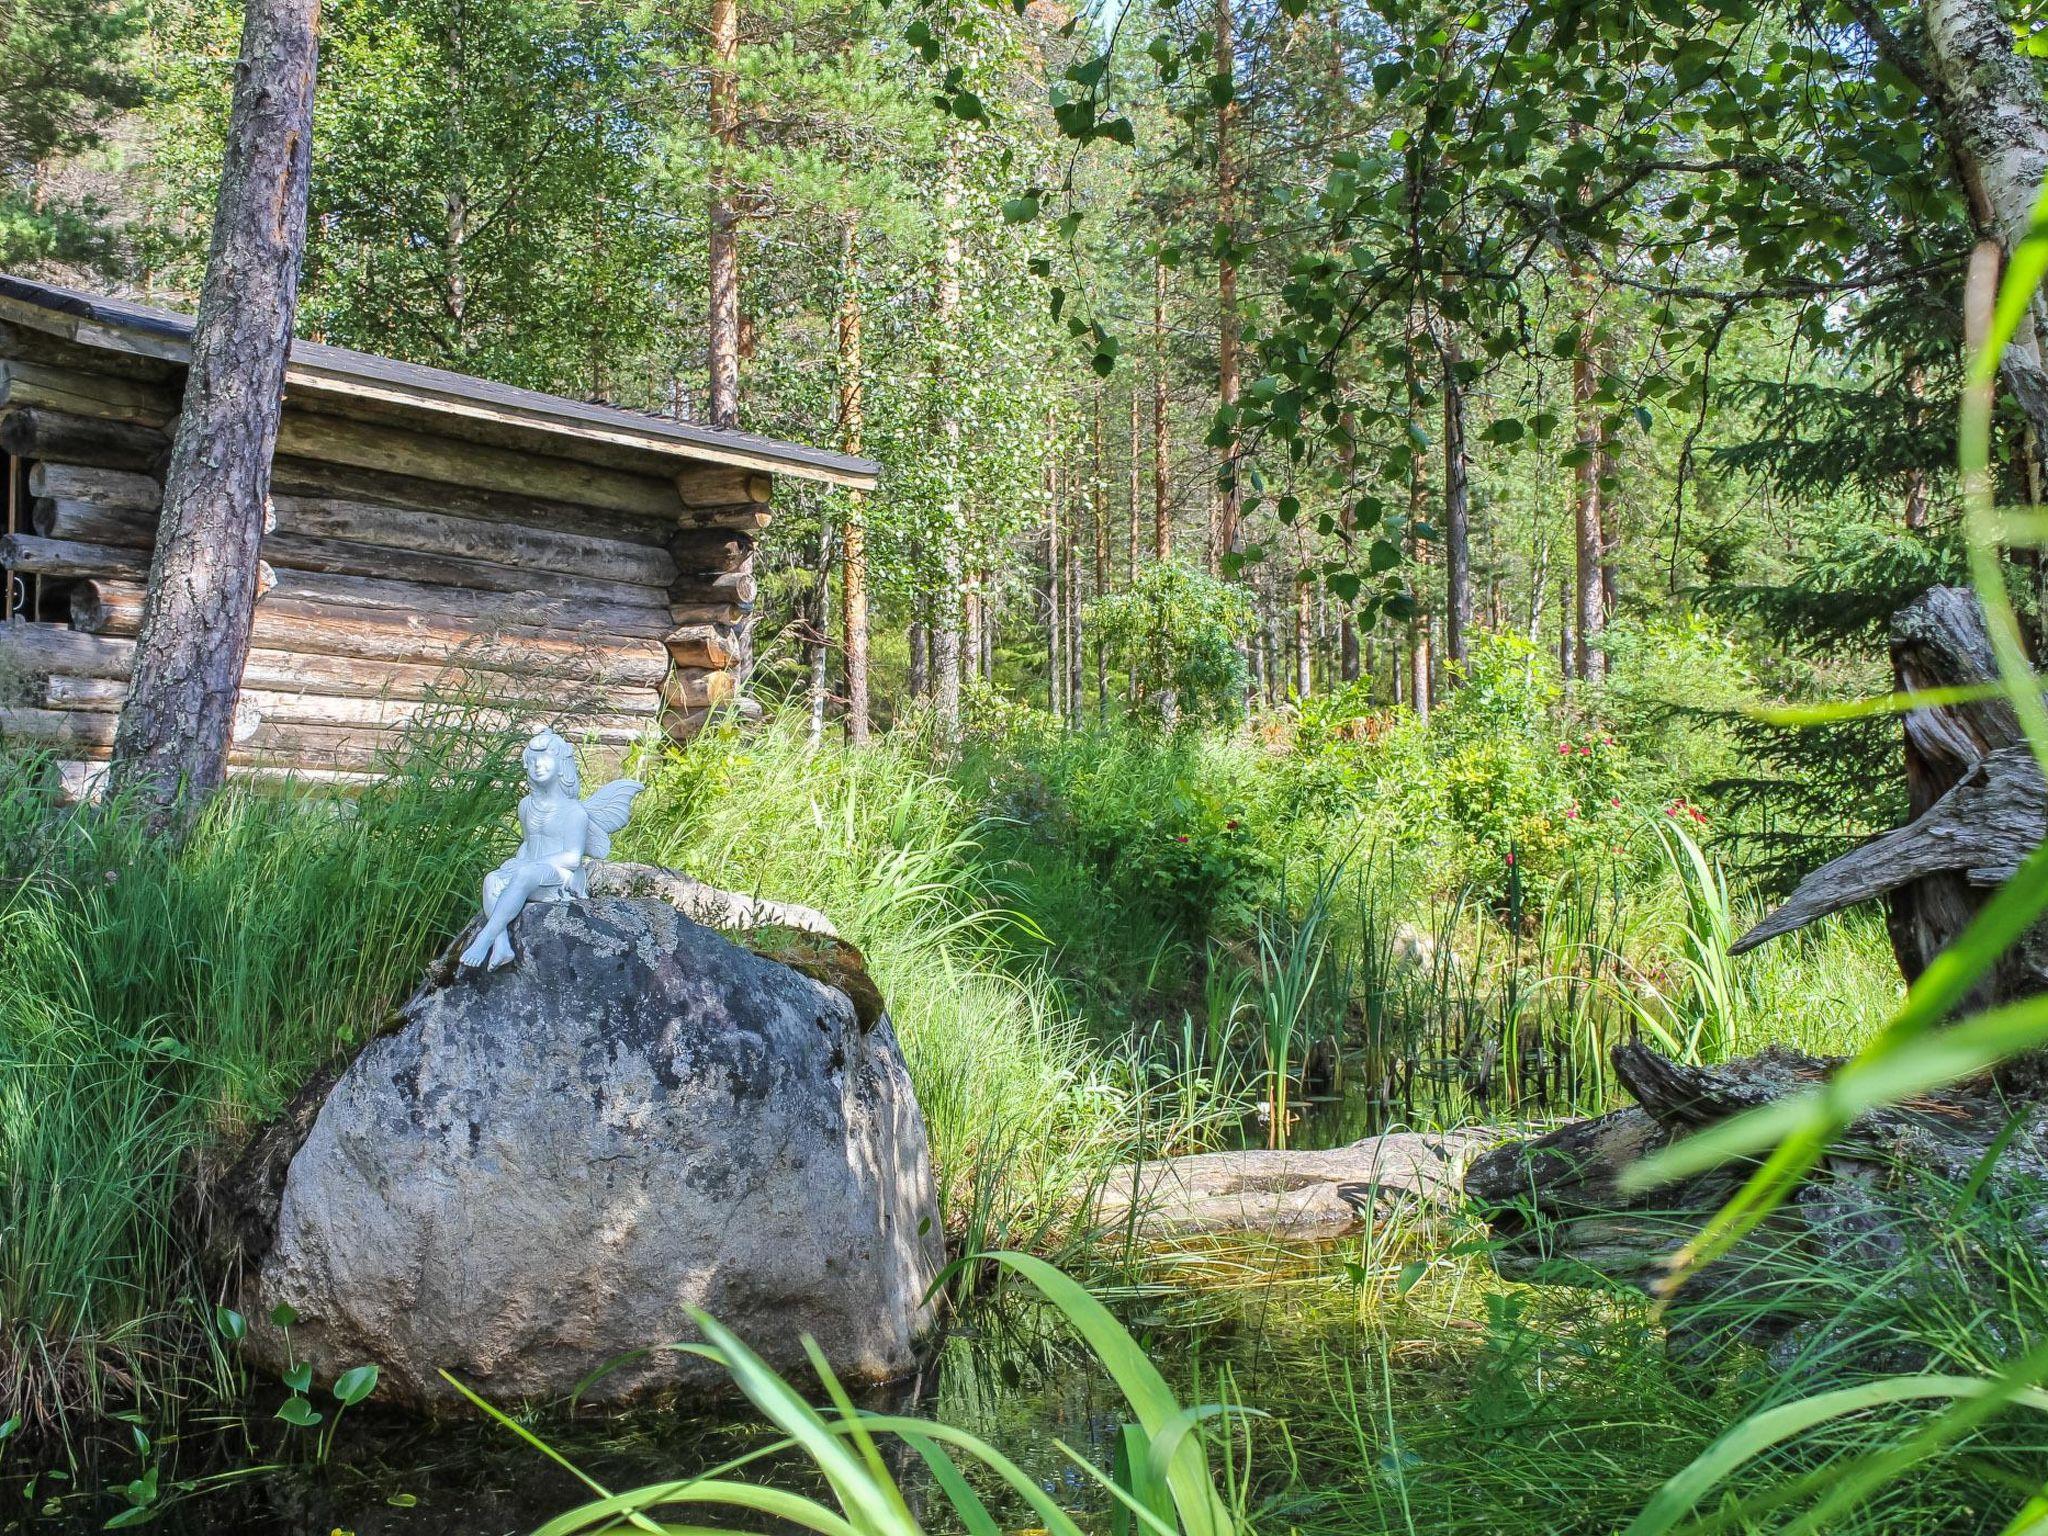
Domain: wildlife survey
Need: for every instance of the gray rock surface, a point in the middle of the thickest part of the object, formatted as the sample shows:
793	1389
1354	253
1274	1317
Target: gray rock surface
549	1165
1293	1196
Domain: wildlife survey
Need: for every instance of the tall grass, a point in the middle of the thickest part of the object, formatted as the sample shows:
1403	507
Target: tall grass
1023	1107
157	998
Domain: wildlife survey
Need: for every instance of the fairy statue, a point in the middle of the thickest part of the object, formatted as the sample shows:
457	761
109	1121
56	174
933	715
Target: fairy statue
559	832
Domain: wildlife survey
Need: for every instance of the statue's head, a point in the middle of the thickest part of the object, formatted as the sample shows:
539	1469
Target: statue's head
551	760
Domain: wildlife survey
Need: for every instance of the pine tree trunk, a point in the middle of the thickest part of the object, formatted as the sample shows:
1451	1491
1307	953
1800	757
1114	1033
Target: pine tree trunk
724	257
947	607
1457	521
1055	600
1072	582
1350	664
919	680
1162	519
1230	502
174	728
1099	497
853	525
1137	479
821	628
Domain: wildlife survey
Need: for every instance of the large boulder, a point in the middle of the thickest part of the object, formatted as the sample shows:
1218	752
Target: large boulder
548	1166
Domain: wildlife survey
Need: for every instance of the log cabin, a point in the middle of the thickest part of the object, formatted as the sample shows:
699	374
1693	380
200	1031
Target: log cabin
429	536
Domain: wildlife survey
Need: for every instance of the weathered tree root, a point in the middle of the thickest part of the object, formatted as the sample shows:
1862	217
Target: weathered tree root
1897	1177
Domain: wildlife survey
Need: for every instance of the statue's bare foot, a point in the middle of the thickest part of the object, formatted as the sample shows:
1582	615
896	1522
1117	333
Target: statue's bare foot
501	952
477	953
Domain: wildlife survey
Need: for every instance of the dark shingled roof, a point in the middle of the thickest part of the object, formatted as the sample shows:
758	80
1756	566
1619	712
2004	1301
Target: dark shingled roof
123	326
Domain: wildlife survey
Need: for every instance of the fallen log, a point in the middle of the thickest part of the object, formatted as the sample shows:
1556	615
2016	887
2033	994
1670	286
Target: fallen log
1287	1196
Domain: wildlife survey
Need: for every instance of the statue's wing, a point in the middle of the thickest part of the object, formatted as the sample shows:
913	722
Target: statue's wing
607	808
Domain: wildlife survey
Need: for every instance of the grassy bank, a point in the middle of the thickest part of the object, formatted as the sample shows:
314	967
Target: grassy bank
1095	945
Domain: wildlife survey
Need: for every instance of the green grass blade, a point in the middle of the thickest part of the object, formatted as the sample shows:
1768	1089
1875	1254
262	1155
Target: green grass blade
1763	1431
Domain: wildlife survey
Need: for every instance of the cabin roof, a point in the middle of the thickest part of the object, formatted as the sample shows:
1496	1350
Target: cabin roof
570	427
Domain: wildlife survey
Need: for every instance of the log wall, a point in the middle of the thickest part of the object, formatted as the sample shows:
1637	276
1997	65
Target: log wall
400	567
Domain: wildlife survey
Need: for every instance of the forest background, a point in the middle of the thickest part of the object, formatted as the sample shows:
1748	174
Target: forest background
1216	353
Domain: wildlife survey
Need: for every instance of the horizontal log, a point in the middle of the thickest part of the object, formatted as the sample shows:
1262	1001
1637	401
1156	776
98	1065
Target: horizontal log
85	394
747	517
28	344
91	523
721	486
336	439
710	551
702	645
568	551
696	688
709	612
54	650
104	487
87	734
37	556
82	781
298	706
115	608
68	438
326	480
736	588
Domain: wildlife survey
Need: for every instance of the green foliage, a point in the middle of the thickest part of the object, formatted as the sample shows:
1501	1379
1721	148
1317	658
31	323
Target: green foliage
1181	632
67	68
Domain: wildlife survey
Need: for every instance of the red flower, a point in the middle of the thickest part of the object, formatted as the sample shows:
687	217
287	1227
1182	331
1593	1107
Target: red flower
1182	838
1511	861
1571	811
1614	800
1230	825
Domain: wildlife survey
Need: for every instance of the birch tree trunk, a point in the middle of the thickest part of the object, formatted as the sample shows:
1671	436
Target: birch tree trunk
853	556
1996	124
1419	659
1304	636
723	252
173	734
1589	612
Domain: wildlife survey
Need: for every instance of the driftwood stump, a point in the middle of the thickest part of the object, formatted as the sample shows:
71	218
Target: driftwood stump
1979	807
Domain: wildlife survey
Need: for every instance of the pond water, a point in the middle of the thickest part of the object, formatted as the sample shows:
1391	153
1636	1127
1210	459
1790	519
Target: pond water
1009	1371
